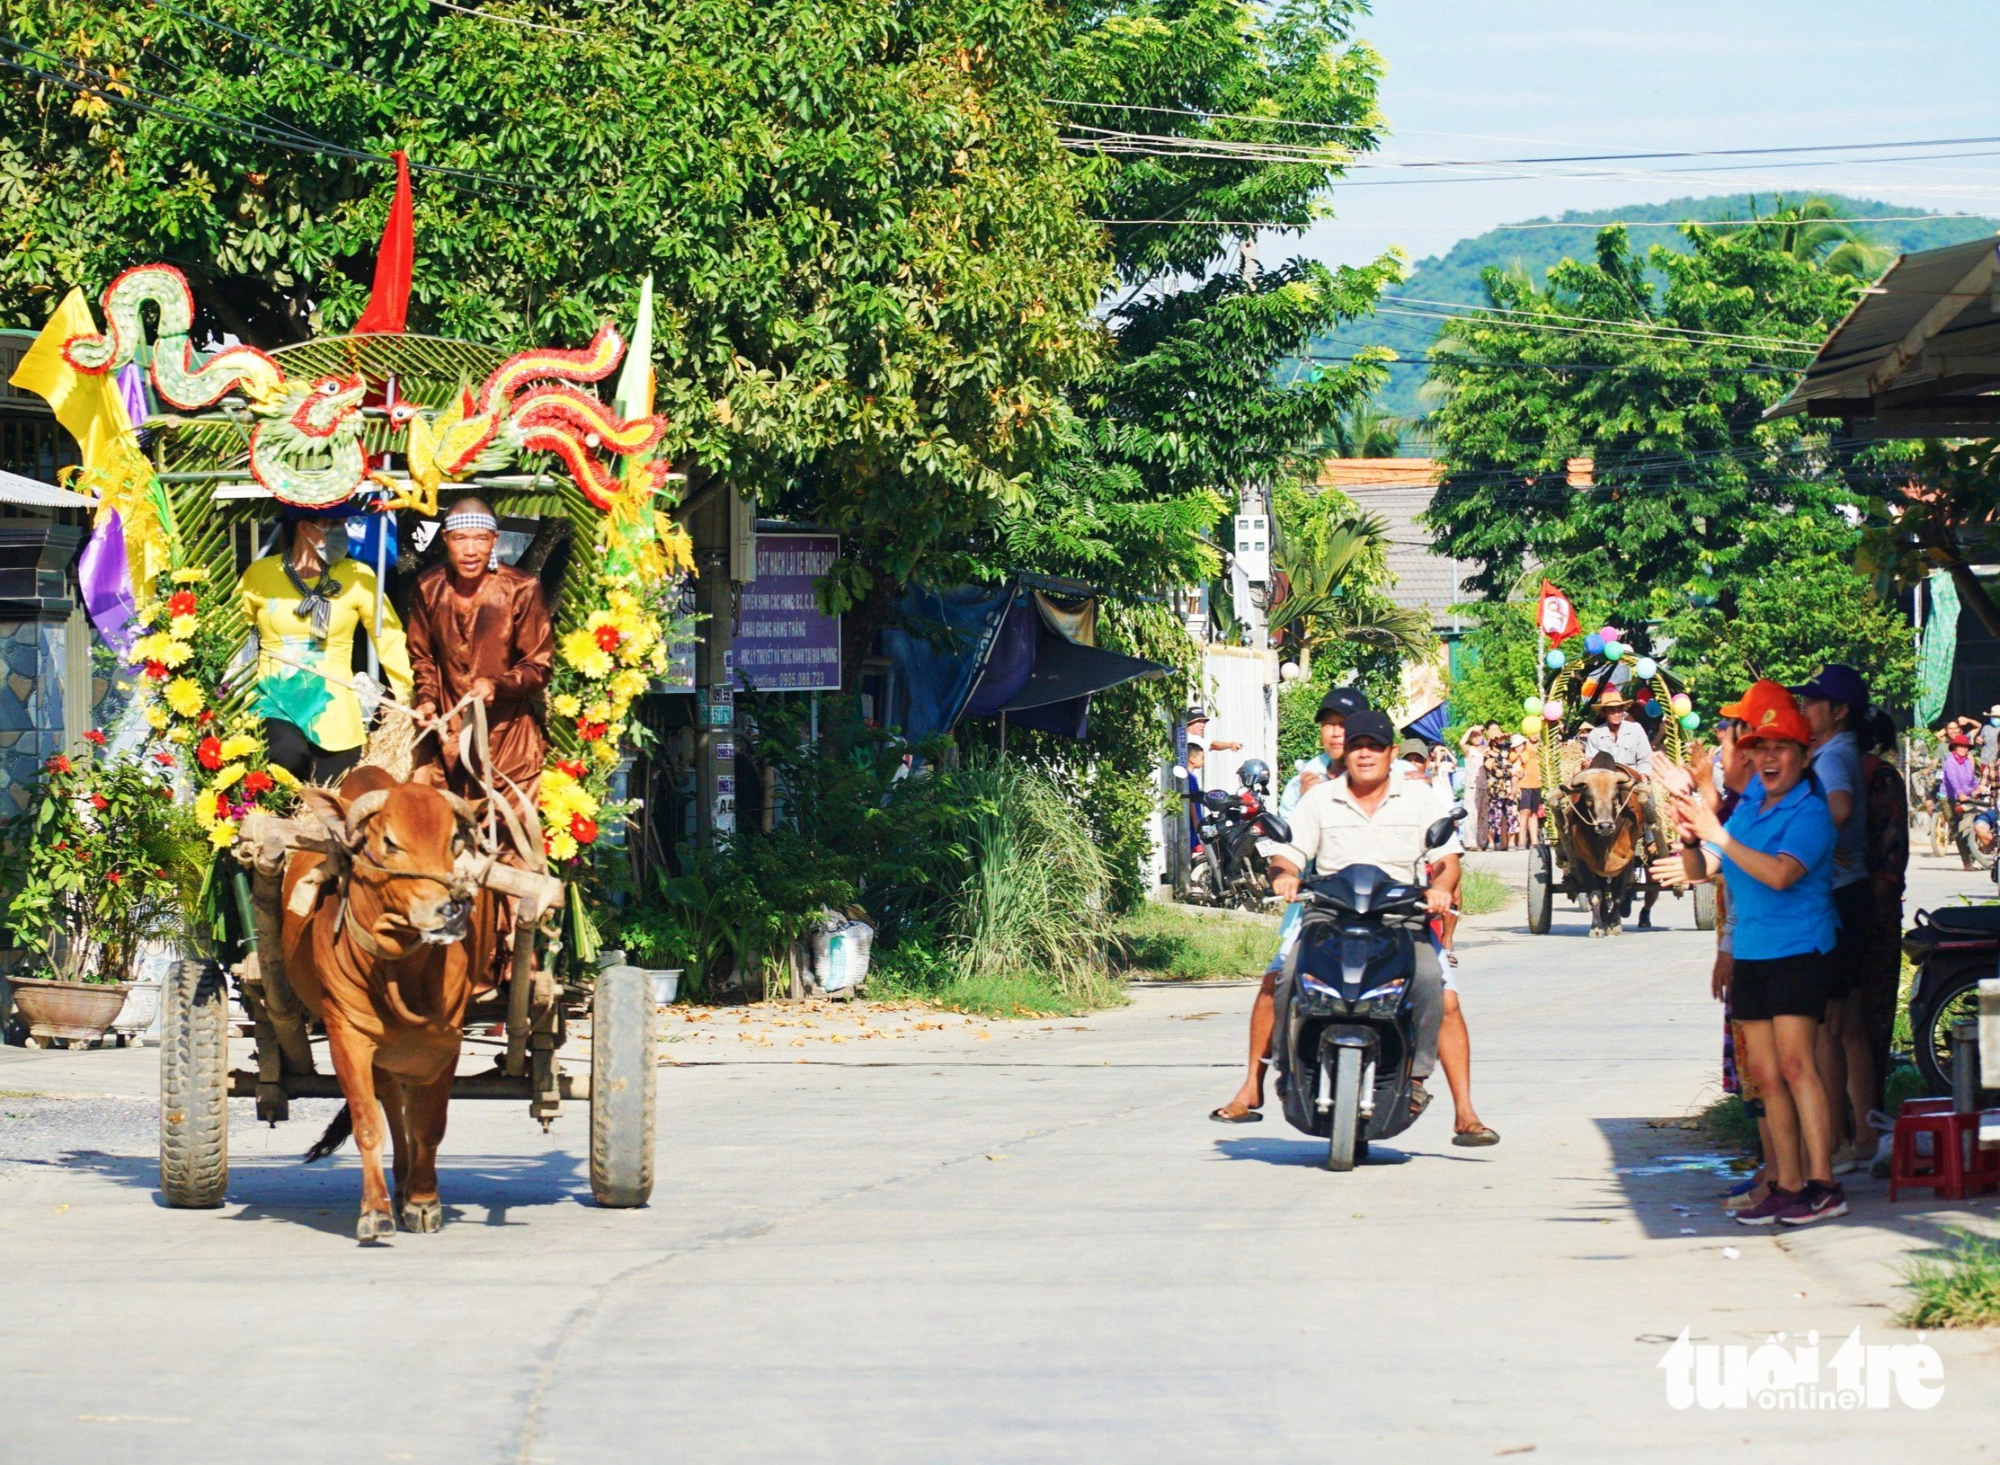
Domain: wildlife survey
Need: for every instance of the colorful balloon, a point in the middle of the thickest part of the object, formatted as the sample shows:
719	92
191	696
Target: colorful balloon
1589	688
1647	668
1607	633
1532	704
1649	708
1552	710
1690	720
1683	704
1614	648
1555	660
1532	726
1643	693
1594	644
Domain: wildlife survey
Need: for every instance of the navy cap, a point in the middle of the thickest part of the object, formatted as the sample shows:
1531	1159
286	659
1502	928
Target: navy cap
1836	683
1346	701
1371	725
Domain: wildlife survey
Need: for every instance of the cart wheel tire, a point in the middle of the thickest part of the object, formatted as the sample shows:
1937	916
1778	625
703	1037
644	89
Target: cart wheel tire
1541	893
1704	907
194	1087
624	1085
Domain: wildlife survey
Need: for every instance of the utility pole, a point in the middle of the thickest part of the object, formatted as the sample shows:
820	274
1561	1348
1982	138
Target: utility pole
724	535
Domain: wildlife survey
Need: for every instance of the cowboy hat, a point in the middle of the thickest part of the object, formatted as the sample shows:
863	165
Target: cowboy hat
1612	698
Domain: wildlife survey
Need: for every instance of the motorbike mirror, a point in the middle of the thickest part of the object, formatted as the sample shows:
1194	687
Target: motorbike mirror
1440	832
1279	830
1180	772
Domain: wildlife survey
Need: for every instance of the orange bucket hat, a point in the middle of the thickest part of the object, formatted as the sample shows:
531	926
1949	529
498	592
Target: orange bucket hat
1769	712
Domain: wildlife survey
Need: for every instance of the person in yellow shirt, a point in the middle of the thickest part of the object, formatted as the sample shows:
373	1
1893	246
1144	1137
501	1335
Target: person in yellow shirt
306	603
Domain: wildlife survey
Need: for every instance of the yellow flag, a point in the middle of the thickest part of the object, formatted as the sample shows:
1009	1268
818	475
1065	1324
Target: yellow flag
87	405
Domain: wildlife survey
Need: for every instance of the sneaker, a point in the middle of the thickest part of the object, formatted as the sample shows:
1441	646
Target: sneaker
1845	1161
1748	1200
1817	1202
1766	1210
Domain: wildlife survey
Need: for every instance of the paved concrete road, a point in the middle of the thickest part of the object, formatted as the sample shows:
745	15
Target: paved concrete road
1023	1246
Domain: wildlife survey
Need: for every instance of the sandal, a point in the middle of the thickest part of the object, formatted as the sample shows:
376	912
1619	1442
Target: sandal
1242	1116
1476	1138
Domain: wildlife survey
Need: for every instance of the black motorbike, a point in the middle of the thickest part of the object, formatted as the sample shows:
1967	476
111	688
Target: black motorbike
1230	869
1347	1037
1952	948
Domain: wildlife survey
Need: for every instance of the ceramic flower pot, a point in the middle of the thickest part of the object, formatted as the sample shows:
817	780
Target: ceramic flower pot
77	1011
141	1010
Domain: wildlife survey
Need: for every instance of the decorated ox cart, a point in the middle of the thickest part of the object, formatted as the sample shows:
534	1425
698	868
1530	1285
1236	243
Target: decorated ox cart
387	426
1601	826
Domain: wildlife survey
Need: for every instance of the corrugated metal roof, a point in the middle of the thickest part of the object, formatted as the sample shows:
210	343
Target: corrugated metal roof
32	493
1919	356
1397	490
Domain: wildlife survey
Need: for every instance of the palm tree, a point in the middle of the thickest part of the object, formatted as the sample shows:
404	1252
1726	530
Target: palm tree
1809	231
1333	565
1365	431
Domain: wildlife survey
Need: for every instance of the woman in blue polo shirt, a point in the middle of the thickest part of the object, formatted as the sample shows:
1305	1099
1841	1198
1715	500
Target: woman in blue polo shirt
1776	856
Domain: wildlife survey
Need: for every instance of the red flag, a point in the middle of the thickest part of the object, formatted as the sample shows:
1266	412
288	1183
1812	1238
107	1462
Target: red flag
390	303
1558	617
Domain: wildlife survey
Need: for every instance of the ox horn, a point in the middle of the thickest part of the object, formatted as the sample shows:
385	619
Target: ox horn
467	813
365	808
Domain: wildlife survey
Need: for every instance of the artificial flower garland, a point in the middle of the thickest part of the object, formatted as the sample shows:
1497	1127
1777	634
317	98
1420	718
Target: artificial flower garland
183	662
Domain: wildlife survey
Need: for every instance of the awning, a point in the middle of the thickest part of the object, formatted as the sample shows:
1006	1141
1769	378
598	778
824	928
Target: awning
1065	670
32	493
1919	356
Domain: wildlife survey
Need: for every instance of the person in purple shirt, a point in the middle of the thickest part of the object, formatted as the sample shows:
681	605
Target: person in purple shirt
1960	778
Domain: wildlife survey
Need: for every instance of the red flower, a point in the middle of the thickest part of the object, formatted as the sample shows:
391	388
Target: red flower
222	806
207	716
608	638
159	874
583	830
167	792
58	764
114	877
181	603
94	738
62	844
208	752
98	801
164	758
573	767
257	781
590	731
156	671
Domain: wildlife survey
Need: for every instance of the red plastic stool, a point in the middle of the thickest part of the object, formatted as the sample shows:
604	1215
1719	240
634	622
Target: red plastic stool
1945	1169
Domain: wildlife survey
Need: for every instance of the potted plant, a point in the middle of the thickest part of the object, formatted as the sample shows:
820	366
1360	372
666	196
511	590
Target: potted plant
101	861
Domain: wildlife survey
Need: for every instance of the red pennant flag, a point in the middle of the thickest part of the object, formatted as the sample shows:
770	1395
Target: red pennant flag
390	302
1558	617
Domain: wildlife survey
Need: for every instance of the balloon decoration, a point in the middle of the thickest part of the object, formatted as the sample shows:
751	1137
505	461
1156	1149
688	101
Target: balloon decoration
1532	704
1647	668
1643	694
1614	649
1683	704
1589	688
1649	708
1607	633
1594	644
1552	711
1555	660
1532	726
1690	720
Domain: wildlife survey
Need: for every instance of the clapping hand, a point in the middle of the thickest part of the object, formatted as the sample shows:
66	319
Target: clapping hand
1670	775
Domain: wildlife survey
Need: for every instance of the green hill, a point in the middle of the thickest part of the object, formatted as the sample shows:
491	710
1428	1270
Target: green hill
1455	276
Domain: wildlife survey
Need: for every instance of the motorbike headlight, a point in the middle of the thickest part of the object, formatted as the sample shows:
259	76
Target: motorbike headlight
1312	983
1387	989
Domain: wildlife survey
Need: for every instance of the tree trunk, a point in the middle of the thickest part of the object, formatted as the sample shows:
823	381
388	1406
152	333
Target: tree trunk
1973	596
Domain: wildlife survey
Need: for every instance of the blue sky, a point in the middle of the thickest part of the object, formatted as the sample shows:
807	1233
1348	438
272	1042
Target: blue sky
1472	79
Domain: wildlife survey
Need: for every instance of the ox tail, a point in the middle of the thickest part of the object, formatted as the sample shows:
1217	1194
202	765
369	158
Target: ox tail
335	1136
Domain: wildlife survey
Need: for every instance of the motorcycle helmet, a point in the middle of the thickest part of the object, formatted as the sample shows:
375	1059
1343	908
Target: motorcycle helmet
1255	773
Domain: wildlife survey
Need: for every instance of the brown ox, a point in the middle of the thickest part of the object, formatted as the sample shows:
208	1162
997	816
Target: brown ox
1603	831
388	959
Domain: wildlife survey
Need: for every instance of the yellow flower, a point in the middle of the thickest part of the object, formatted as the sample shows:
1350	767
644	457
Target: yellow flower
565	704
578	646
190	577
599	711
223	835
242	745
156	716
628	684
228	778
204	812
605	751
562	845
182	627
148	648
597	665
284	777
175	653
184	696
177	734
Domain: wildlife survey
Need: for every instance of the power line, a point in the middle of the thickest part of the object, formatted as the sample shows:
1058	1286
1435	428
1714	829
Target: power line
1598	320
561	30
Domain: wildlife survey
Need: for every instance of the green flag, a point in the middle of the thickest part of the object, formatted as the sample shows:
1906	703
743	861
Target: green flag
1934	659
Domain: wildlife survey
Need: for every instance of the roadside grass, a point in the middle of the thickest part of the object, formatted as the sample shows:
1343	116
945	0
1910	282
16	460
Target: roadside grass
1481	892
1960	1289
1728	1121
939	983
1164	942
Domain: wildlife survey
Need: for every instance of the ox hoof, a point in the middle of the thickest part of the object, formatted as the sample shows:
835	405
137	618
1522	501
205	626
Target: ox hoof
375	1226
1597	930
423	1216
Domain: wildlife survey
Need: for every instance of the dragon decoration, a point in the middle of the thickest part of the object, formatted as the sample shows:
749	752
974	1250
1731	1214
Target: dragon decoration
306	446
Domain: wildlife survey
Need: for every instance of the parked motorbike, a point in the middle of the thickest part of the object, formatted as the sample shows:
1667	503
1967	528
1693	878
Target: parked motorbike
1347	1037
1952	948
1230	869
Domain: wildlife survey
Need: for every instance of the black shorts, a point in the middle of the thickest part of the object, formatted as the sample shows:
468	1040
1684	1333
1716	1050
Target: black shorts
1530	800
1780	986
1854	909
